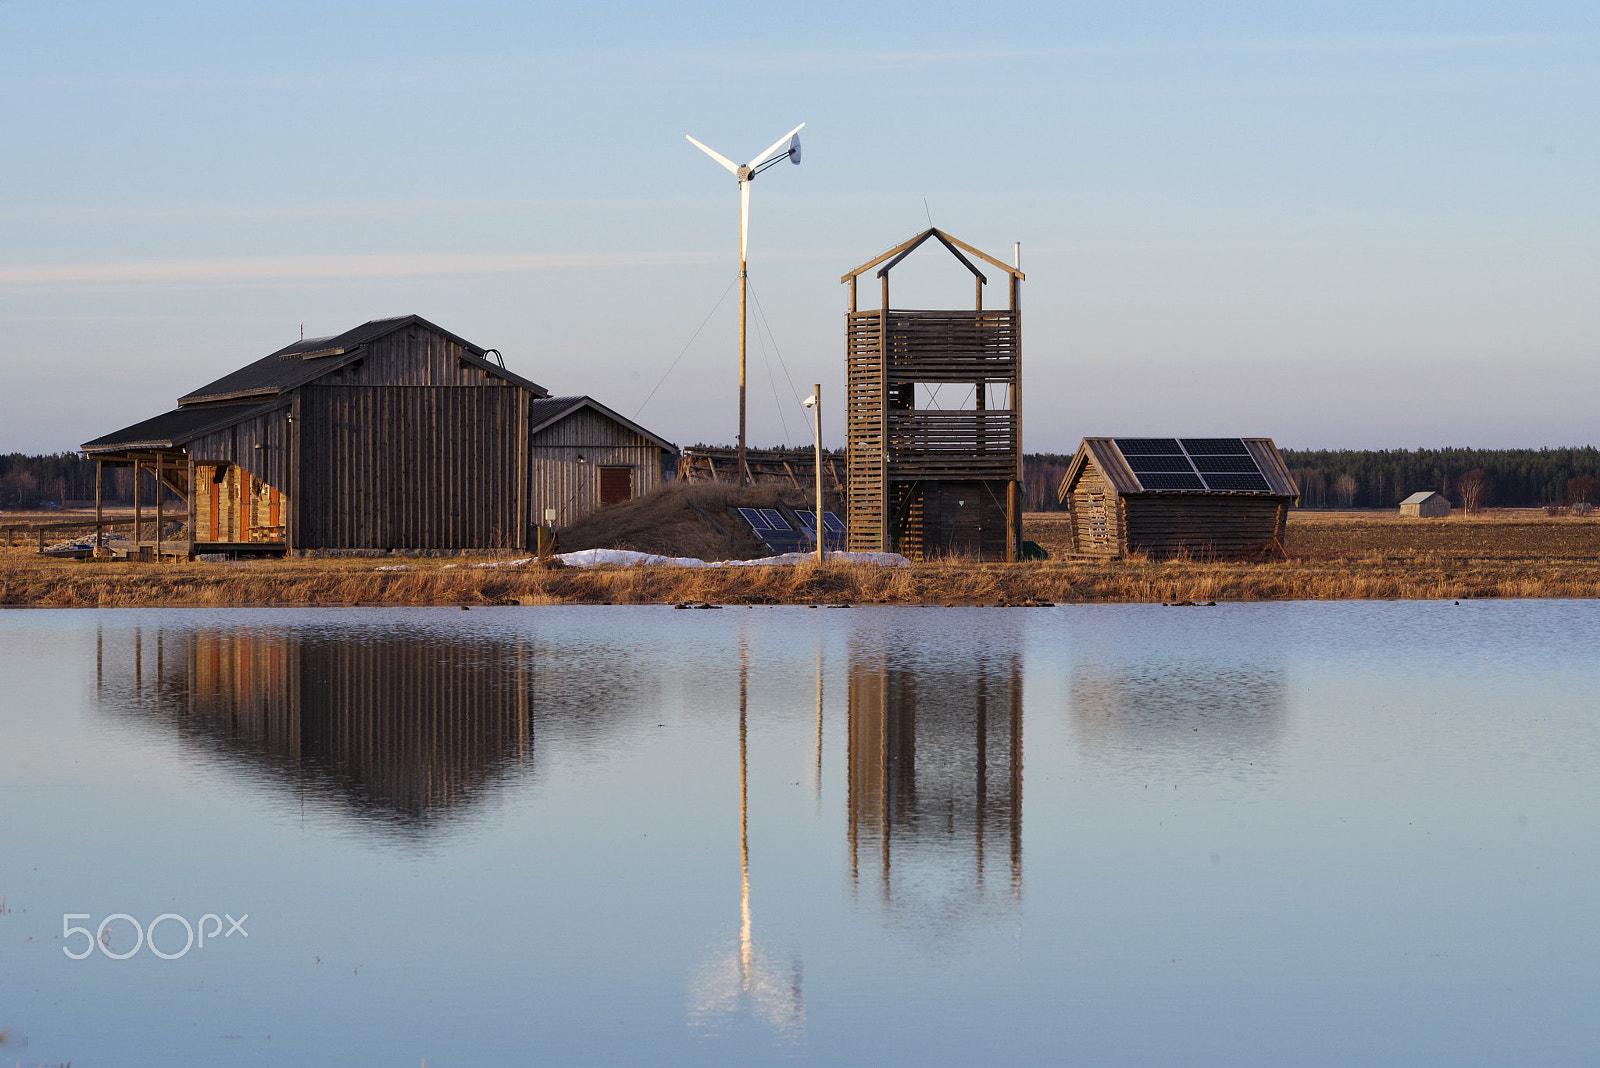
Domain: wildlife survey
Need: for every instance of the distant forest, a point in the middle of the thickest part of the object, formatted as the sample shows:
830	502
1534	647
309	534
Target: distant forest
1382	478
1343	478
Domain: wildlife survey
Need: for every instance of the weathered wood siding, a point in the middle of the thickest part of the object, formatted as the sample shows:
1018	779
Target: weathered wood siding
410	467
1204	526
557	480
1096	521
415	356
963	519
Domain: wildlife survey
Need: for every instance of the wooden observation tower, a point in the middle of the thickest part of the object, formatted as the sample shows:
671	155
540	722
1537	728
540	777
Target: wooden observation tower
931	481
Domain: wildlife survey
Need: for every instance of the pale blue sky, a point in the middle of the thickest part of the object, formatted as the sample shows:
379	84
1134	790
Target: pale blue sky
1352	224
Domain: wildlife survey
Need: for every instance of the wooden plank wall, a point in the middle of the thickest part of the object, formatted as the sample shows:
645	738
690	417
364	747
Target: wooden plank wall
866	500
1096	517
963	519
410	467
556	478
1203	526
415	356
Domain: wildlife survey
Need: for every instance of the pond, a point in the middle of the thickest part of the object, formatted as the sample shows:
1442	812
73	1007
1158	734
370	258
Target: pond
1309	833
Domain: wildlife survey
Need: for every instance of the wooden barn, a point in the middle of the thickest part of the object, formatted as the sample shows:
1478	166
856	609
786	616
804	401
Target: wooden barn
394	435
1426	504
928	478
1207	498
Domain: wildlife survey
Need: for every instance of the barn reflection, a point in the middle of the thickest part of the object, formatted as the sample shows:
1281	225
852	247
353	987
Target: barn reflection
401	726
935	776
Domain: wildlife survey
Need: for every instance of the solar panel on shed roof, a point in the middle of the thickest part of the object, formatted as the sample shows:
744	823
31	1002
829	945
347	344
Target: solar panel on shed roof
1215	446
1222	465
1147	446
1171	480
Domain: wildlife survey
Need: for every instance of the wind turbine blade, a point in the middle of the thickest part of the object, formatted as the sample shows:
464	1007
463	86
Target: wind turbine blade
714	155
779	143
744	221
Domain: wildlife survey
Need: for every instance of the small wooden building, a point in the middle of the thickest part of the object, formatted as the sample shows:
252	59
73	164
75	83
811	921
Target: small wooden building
1208	498
928	478
1426	504
394	435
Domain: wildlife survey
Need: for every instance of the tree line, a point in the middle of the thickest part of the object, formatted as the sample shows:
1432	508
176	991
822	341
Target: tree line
1328	478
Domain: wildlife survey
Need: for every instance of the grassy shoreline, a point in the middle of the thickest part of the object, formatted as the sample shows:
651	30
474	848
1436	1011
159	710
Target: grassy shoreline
1334	556
65	584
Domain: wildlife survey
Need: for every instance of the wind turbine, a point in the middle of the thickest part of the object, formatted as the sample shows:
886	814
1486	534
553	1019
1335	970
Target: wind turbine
746	174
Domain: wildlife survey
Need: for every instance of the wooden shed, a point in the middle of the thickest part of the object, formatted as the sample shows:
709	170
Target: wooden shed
396	434
1209	498
1426	504
931	478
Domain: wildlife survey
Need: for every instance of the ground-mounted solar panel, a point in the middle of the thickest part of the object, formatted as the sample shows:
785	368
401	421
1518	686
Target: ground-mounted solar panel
774	519
755	519
1251	483
1171	480
1215	447
1148	446
1142	463
808	519
833	522
1206	465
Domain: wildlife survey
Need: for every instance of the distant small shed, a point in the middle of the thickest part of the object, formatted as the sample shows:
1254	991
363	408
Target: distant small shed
1426	504
1210	498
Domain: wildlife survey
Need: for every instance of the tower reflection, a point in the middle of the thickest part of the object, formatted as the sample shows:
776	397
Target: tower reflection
935	776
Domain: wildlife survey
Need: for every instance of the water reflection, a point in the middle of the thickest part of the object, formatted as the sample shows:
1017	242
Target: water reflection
935	776
403	726
1180	717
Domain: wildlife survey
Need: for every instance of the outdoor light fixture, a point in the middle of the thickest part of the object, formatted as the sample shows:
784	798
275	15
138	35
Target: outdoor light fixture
746	174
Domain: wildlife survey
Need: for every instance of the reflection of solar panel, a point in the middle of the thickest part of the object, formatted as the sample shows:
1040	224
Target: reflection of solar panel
1222	465
775	519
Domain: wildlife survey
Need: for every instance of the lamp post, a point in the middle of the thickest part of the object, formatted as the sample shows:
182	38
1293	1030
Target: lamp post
814	402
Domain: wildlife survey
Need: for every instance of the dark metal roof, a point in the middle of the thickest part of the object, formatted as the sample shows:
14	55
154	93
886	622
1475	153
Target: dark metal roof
303	361
174	428
543	413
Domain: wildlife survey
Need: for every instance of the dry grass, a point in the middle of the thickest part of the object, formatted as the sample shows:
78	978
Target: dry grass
1333	556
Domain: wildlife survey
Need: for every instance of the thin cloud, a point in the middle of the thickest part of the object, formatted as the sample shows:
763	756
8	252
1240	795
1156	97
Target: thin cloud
313	268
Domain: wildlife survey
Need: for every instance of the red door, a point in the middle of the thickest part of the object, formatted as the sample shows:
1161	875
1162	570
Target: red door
616	485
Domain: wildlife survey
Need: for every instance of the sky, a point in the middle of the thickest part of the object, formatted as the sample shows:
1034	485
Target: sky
1340	225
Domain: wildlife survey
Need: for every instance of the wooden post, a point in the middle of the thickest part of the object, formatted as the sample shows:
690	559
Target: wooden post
193	492
161	493
138	503
99	512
